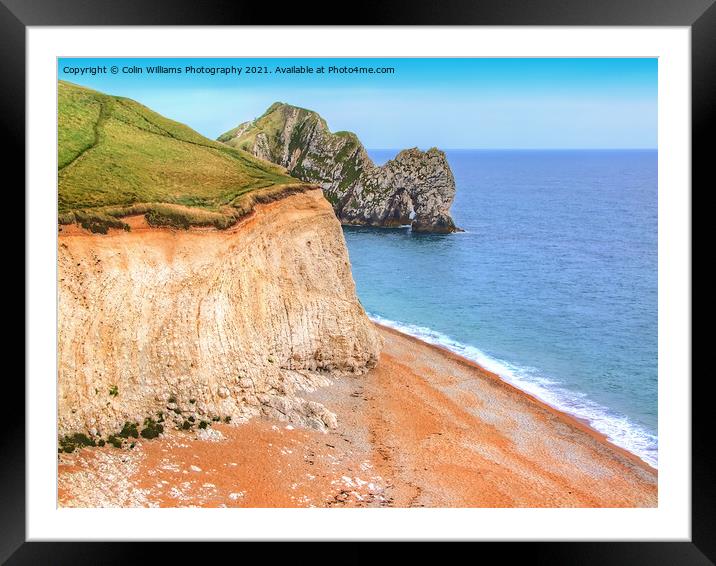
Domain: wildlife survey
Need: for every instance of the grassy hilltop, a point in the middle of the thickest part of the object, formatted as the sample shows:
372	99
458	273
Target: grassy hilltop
272	123
117	157
305	128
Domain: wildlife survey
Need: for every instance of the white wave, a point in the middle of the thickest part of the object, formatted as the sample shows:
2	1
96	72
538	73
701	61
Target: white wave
618	428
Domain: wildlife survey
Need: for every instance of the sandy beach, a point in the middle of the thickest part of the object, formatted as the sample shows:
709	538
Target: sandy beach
425	428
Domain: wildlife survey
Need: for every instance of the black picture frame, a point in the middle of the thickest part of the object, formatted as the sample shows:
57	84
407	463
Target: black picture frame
699	15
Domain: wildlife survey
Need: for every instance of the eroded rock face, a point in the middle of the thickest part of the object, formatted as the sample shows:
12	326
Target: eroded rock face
202	325
415	188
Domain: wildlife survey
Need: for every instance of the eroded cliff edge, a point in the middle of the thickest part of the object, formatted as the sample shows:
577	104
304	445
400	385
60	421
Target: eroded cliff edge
415	187
185	326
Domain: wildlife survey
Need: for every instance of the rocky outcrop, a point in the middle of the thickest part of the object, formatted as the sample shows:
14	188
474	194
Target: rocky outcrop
184	326
415	187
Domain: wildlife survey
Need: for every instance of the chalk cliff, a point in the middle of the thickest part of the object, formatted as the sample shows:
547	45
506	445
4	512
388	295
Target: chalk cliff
415	187
158	325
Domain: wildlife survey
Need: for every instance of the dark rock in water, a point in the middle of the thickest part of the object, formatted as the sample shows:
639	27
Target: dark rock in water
416	188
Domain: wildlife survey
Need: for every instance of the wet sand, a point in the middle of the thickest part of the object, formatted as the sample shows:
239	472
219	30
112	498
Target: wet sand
425	428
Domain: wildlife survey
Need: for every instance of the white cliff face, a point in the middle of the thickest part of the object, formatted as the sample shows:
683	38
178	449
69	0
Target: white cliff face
205	324
415	188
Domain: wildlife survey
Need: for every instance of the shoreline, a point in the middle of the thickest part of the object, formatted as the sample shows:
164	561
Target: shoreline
424	428
571	420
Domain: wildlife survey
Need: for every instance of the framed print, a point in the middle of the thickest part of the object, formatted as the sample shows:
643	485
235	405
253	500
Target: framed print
374	282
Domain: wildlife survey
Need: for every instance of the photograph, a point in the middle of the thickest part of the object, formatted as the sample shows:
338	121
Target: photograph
383	282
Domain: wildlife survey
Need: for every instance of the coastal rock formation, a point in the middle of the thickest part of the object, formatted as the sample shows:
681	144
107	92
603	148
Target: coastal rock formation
184	326
415	187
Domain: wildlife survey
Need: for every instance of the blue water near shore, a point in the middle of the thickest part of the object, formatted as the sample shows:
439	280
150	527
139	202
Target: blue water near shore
553	284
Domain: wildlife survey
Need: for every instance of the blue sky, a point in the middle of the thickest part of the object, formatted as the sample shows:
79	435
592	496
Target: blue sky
449	103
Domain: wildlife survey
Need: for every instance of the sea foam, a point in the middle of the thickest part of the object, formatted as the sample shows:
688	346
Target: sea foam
618	428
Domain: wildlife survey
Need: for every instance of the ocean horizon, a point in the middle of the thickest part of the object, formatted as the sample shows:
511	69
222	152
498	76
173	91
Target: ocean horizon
552	285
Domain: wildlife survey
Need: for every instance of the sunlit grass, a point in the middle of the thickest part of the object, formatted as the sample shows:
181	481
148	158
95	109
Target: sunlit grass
117	157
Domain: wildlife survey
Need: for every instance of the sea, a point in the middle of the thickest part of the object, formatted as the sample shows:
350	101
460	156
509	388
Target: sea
552	285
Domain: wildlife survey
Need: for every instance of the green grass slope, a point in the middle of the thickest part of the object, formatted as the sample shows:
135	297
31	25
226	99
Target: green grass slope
328	152
272	123
117	157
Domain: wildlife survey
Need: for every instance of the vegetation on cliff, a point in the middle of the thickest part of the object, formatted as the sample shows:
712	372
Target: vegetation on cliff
159	330
118	158
415	187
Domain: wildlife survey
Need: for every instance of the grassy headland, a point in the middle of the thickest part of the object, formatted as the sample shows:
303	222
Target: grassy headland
272	123
340	150
118	158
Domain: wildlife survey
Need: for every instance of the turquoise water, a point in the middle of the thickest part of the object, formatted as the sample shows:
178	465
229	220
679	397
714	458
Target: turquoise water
553	284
